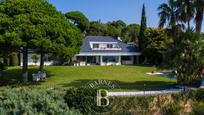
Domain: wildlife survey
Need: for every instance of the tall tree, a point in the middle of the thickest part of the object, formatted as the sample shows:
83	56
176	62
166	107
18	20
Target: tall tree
168	13
199	6
37	24
114	28
130	33
157	41
185	10
189	58
79	19
97	28
143	27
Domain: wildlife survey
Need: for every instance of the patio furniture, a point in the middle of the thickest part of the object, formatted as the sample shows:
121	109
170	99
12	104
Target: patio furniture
36	77
39	76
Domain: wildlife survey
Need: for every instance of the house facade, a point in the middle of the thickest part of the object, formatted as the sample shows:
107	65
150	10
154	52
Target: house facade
105	50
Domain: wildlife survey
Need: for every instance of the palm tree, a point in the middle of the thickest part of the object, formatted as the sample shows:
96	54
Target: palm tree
199	6
168	14
186	11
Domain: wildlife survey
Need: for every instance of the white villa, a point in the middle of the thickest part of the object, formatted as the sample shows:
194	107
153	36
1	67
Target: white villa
105	50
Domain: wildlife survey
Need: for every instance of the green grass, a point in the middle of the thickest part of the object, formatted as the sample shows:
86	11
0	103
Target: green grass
127	77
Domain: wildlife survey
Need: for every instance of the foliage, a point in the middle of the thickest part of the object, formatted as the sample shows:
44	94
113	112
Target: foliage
185	10
112	31
168	14
83	99
142	29
199	7
156	42
114	28
79	19
188	59
37	24
97	29
2	67
128	33
33	101
171	109
180	12
198	108
35	58
53	101
166	104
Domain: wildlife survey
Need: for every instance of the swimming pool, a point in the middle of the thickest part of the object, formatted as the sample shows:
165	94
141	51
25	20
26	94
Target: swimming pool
168	75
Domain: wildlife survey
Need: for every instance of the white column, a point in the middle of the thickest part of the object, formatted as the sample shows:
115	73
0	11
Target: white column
119	60
101	60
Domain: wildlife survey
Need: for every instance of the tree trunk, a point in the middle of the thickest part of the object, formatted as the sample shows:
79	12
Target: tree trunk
198	26
42	55
189	25
25	64
199	20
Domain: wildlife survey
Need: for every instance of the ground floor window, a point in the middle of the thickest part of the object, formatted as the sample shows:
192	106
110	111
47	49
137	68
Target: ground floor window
126	58
110	58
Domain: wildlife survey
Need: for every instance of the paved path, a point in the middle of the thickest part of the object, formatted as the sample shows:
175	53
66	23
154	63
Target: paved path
141	93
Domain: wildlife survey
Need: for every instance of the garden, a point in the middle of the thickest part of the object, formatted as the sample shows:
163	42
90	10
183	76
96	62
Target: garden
37	25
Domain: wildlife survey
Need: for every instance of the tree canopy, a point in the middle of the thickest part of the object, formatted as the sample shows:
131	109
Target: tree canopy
189	57
156	44
37	24
79	19
142	28
118	28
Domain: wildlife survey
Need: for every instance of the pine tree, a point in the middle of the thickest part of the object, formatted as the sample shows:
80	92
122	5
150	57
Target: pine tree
142	29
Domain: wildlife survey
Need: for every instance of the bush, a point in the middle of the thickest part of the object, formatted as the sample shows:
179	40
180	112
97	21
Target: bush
33	101
171	109
84	99
2	67
198	108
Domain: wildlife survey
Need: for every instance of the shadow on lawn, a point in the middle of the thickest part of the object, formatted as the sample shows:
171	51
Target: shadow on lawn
138	85
13	77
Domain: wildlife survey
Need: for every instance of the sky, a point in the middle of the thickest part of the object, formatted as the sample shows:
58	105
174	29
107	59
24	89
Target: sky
128	11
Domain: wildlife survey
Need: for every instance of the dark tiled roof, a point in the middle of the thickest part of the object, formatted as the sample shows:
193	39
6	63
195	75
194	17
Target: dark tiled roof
124	47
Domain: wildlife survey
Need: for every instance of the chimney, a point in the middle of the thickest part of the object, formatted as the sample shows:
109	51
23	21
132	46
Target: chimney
119	39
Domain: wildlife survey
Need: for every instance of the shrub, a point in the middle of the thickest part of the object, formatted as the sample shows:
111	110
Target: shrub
84	99
33	101
2	67
198	108
171	109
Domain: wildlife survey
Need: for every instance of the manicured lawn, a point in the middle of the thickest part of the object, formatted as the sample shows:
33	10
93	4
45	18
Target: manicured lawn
127	77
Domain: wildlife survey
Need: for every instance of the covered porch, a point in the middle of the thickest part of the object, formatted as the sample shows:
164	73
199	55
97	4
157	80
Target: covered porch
87	60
